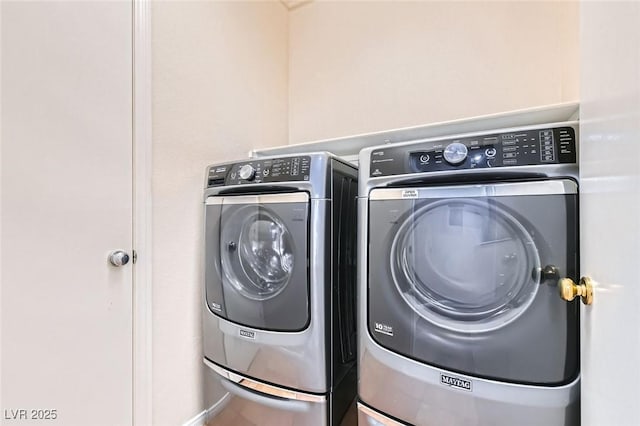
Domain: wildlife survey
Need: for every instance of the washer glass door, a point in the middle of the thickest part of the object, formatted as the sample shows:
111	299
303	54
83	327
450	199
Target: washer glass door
257	252
257	260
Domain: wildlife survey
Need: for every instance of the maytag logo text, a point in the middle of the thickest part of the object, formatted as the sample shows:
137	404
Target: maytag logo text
455	382
248	334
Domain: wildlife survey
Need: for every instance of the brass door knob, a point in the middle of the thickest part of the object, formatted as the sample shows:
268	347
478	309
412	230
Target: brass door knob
569	290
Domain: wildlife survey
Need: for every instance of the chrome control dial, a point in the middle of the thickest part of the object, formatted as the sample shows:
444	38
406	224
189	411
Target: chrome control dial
247	172
455	153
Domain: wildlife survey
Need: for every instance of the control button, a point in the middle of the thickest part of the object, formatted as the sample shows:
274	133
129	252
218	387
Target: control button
455	153
490	152
247	172
509	162
424	158
265	172
509	155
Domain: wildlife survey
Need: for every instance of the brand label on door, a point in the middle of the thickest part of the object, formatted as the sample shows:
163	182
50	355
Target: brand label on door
409	193
248	334
455	382
383	328
215	306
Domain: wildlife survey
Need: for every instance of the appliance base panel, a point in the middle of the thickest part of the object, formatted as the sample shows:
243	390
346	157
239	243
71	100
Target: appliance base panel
413	393
243	405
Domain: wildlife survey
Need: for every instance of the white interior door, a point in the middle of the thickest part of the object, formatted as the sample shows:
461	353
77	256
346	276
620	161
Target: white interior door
610	211
66	165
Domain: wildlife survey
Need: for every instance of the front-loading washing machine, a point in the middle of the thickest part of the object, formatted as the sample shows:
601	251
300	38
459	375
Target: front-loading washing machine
463	240
279	313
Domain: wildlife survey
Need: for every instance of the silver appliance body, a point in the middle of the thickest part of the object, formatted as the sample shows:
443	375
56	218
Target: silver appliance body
461	242
279	307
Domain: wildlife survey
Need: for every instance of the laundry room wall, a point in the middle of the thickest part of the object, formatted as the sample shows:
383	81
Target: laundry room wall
219	89
358	67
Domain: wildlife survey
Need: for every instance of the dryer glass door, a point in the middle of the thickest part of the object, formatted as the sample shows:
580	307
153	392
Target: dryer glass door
465	264
455	277
260	248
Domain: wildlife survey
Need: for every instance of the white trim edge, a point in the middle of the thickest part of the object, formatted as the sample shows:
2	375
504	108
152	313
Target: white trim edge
142	215
202	418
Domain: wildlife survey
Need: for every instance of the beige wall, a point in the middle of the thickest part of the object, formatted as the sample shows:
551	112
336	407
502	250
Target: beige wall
363	66
219	89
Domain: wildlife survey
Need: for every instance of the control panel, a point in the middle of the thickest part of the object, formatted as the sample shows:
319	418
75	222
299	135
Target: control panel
261	171
518	148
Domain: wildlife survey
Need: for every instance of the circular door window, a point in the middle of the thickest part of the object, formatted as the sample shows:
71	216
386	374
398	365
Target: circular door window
465	265
257	253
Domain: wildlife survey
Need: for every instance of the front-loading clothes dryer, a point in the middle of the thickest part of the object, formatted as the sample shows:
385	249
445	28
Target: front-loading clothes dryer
279	308
463	242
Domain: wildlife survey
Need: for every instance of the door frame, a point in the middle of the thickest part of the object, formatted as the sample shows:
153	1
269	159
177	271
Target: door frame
142	214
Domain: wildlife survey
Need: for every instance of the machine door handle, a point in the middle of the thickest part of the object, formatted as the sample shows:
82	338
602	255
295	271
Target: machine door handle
569	290
118	258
